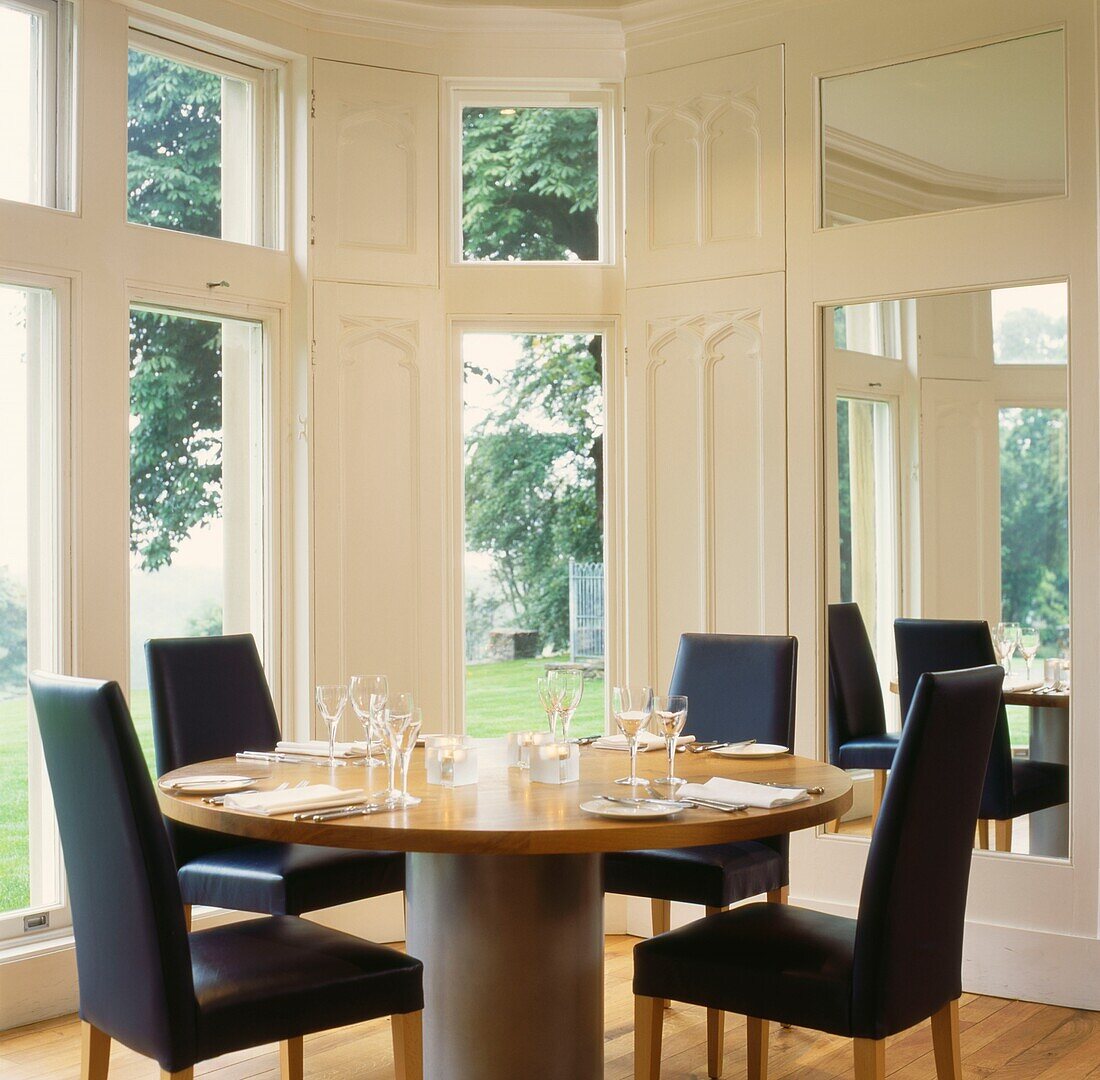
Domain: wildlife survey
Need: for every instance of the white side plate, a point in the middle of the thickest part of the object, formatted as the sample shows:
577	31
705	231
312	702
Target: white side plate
756	750
631	812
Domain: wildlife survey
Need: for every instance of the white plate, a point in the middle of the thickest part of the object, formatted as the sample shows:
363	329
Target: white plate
760	749
213	784
632	812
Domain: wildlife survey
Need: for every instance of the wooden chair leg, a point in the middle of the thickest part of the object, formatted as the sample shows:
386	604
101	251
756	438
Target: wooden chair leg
661	917
290	1059
408	1045
757	1032
833	826
878	789
780	895
183	1074
649	1022
187	917
1003	830
870	1059
95	1052
945	1042
983	834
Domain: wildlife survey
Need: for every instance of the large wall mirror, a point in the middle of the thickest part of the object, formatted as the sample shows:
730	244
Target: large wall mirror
947	496
943	132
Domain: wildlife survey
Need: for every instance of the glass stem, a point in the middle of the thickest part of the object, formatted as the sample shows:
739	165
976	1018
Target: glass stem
405	759
671	748
393	771
332	746
634	760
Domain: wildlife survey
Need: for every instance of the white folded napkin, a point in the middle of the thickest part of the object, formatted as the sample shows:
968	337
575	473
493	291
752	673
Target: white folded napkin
721	789
1013	686
294	800
319	748
646	741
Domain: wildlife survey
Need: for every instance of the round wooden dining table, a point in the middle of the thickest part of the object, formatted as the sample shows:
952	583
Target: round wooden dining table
504	890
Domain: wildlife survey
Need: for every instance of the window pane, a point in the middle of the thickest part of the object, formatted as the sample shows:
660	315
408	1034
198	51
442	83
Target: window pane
874	329
1030	324
196	484
191	163
19	101
534	422
530	184
29	601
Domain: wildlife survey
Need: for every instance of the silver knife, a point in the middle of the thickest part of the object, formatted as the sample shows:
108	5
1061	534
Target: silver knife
354	810
288	759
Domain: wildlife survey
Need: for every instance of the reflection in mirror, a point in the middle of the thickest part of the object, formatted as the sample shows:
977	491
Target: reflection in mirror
943	133
947	495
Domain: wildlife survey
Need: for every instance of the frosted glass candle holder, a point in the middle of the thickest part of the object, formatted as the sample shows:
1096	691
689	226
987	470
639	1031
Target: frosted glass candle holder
451	762
518	750
555	763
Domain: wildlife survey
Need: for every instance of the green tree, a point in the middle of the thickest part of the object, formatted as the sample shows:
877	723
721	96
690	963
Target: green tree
530	184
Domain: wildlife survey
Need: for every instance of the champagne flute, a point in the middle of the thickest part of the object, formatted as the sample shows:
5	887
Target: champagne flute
550	698
571	681
331	699
394	720
1029	646
1008	634
401	735
632	708
671	713
368	695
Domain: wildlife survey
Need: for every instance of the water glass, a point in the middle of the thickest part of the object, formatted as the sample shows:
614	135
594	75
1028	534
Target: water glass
670	712
1029	646
368	695
632	707
331	699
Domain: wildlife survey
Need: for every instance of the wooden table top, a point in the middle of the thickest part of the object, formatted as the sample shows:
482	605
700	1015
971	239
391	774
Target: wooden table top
505	813
1022	697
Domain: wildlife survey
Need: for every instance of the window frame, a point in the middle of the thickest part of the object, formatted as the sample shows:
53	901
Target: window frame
266	224
42	824
543	93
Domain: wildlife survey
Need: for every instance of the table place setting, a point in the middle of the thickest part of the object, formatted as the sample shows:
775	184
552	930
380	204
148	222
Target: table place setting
294	800
646	741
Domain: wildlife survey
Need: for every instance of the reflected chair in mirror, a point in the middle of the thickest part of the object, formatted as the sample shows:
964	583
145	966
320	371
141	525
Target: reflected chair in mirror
858	738
179	997
1014	786
738	687
900	961
210	699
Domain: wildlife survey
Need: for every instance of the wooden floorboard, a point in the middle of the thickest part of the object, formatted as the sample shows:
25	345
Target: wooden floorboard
1001	1040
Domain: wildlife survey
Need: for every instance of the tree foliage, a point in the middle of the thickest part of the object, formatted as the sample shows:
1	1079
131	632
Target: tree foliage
530	184
13	634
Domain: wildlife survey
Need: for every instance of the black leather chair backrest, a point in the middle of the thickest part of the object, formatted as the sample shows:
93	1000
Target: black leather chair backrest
855	693
209	699
738	686
947	645
908	948
132	954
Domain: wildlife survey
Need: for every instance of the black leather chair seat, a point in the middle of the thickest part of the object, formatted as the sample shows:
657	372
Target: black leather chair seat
715	874
868	752
289	879
277	978
1036	785
781	963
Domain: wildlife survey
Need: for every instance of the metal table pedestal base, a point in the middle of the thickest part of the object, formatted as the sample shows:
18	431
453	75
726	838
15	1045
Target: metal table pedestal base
512	947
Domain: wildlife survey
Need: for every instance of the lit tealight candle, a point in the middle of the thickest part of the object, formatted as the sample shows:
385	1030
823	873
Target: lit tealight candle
556	763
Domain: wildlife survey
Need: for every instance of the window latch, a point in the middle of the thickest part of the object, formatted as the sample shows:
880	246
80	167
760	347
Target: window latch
223	284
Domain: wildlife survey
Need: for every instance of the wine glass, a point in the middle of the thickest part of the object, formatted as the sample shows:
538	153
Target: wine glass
394	719
331	699
401	735
1029	646
368	695
632	708
671	713
1004	642
571	682
550	698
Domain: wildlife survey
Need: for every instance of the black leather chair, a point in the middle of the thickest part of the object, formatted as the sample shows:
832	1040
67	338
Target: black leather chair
210	699
144	980
738	687
858	738
1013	786
895	965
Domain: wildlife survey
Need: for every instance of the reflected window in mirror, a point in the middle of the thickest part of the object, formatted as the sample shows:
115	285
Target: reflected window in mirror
947	487
945	132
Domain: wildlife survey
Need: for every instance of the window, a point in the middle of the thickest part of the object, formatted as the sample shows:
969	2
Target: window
534	574
32	593
532	176
201	156
197	480
1030	324
36	101
874	329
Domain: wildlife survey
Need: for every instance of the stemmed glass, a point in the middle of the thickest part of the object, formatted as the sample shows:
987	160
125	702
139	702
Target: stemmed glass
671	712
331	699
1029	645
550	697
1005	641
632	708
368	695
571	683
401	733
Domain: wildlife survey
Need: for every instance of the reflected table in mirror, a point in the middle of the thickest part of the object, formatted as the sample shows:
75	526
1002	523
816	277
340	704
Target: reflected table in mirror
504	889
